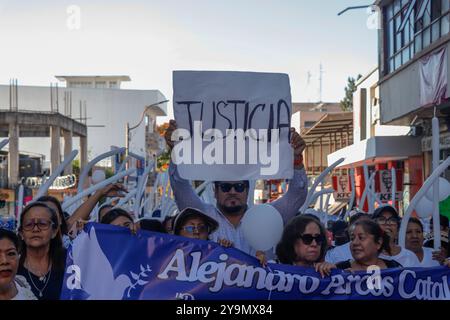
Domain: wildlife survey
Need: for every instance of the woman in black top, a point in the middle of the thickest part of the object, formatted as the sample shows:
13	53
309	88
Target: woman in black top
43	256
367	240
303	242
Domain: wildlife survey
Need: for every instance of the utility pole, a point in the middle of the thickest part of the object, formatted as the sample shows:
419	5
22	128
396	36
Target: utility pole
320	82
127	142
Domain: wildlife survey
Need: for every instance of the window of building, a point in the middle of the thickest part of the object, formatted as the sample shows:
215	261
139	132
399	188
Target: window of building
80	84
100	84
113	84
309	124
411	26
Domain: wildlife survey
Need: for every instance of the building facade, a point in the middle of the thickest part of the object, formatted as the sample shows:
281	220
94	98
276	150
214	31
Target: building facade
414	69
96	101
380	148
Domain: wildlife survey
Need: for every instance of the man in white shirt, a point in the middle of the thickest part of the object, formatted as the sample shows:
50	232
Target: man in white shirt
232	197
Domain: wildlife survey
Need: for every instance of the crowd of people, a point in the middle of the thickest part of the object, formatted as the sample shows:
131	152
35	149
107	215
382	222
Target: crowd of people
32	261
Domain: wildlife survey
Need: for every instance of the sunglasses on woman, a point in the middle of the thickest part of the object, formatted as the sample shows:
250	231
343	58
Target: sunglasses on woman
42	224
238	187
200	229
308	238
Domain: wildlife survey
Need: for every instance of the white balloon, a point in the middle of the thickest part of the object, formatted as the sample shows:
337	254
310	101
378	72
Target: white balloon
98	176
424	208
444	190
262	226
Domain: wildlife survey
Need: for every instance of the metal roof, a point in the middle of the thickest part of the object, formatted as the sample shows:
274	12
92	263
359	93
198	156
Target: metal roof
329	124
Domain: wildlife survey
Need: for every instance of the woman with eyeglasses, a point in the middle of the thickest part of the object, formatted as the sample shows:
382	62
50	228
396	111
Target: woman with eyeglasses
389	221
367	241
43	256
63	230
303	242
12	286
194	224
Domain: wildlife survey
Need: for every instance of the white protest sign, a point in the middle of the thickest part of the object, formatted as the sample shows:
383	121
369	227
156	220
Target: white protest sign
386	187
232	125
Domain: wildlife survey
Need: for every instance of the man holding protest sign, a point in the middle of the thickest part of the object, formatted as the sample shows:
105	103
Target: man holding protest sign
193	93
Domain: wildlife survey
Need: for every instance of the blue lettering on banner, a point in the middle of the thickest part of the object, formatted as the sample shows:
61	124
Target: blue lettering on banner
108	262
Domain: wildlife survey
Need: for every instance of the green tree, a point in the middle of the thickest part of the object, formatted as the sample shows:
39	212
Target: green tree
108	173
347	102
76	167
163	161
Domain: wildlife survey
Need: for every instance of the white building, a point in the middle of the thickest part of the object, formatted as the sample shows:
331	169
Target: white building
96	101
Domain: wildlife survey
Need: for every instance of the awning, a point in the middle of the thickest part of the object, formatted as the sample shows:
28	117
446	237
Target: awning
328	127
377	150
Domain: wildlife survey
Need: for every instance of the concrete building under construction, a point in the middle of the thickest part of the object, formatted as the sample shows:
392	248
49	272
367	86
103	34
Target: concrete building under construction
54	120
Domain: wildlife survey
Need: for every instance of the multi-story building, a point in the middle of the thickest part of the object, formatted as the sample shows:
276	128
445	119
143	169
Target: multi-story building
379	147
305	118
306	114
414	50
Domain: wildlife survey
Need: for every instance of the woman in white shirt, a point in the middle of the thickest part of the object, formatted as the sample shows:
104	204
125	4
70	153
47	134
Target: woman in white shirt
12	287
414	241
343	252
389	221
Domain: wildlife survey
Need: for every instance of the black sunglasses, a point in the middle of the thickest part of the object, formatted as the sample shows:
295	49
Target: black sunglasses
308	239
239	187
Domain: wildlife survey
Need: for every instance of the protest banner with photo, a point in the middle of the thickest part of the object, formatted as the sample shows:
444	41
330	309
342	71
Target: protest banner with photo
109	262
233	125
